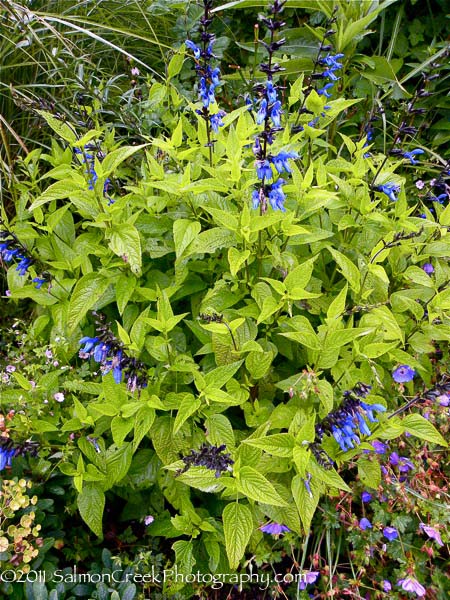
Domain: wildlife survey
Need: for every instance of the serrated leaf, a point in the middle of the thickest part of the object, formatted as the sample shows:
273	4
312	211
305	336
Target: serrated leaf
236	259
57	191
278	444
211	240
124	241
257	487
369	472
189	405
184	553
329	476
91	503
64	130
419	427
87	291
347	268
184	232
306	503
237	527
258	363
219	431
120	427
116	157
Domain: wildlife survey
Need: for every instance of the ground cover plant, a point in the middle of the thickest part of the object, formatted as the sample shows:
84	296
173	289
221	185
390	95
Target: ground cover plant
224	368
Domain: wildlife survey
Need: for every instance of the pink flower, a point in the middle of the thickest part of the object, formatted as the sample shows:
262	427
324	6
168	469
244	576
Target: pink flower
148	520
10	368
409	584
59	397
432	533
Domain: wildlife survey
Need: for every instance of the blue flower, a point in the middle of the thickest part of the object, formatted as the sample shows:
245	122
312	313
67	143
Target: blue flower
369	408
276	195
262	112
275	114
39	282
23	265
6	457
366	496
379	447
216	120
89	343
280	161
390	533
256	198
410	155
307	578
215	77
390	189
271	93
263	169
387	587
324	91
428	268
274	528
403	374
195	49
365	524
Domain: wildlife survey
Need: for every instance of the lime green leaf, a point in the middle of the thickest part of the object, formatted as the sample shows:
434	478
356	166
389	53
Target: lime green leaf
189	405
124	241
347	268
237	527
279	444
306	502
87	291
419	427
257	487
369	472
91	503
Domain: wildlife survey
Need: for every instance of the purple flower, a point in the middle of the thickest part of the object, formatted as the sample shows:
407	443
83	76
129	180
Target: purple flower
379	447
403	374
366	496
443	399
274	528
409	584
428	268
307	578
59	397
420	184
365	524
5	457
432	533
390	533
387	587
148	520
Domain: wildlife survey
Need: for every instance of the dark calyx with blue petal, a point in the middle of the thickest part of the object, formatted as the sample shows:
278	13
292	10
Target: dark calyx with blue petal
269	115
211	457
87	157
348	422
208	77
10	449
108	351
12	250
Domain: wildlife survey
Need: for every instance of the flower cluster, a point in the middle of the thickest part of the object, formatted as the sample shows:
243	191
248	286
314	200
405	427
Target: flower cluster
10	449
331	64
11	249
269	115
209	77
88	158
211	457
345	422
109	352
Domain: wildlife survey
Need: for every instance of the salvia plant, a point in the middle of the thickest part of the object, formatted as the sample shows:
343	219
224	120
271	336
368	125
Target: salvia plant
253	301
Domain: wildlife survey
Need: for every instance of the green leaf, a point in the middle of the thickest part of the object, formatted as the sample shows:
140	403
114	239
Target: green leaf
237	528
258	363
124	290
328	476
347	268
419	427
337	307
124	241
306	502
91	503
143	420
278	444
64	130
116	157
184	556
211	240
257	487
189	405
58	191
87	291
118	461
221	375
120	428
219	431
184	232
299	277
369	472
237	258
22	381
175	64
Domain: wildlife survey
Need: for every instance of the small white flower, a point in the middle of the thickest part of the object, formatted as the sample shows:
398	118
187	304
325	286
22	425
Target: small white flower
59	397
